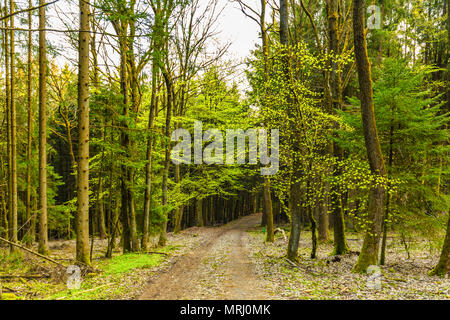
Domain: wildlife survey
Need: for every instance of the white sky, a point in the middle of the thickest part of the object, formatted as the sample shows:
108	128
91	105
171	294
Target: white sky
240	30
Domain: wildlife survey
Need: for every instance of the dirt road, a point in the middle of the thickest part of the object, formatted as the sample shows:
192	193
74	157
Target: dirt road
219	268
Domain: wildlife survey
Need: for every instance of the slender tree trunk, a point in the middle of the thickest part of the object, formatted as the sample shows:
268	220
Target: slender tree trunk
124	141
313	233
268	210
388	198
169	86
148	167
115	217
82	218
8	119
179	210
369	252
30	129
340	241
135	103
4	216
323	218
295	200
13	130
43	228
284	23
100	207
380	35
179	219
199	212
34	218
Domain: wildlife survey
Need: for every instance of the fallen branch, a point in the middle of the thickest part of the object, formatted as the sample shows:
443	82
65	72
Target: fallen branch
292	263
25	276
395	279
33	252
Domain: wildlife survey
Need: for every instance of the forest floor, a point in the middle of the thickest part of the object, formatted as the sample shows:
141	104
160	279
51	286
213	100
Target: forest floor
234	262
227	262
331	277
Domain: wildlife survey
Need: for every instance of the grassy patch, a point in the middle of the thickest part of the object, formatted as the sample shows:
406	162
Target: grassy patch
11	263
130	261
117	278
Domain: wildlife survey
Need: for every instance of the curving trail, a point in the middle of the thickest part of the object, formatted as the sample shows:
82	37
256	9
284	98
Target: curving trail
219	268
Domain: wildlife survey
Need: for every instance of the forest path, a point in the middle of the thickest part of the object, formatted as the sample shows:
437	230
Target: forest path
219	268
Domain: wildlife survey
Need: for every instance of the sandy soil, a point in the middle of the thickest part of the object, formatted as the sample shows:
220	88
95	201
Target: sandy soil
219	268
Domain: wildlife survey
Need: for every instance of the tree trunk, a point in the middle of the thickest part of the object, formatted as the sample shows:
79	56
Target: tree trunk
295	201
28	239
199	212
169	86
284	26
82	218
443	266
269	210
340	241
148	167
100	207
323	220
313	233
388	198
4	215
135	103
8	119
43	228
369	252
13	130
